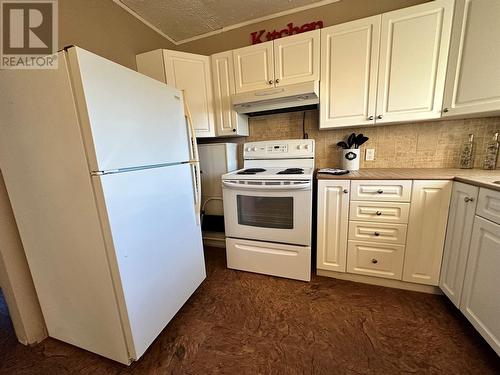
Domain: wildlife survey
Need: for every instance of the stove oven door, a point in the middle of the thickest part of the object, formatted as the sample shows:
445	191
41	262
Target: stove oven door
272	210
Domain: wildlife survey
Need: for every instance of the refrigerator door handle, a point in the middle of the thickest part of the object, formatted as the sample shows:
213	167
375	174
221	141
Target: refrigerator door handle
193	145
197	187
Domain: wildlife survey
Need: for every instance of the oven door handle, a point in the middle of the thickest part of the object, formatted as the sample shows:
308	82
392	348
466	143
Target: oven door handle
306	185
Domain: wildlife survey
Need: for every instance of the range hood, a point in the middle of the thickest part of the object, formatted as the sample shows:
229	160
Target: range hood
289	96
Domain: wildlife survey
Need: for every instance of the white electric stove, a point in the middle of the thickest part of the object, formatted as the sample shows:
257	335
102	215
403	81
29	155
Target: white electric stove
268	209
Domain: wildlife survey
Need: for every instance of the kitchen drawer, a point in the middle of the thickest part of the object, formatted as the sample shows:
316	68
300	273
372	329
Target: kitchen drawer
383	212
377	232
488	205
381	190
375	259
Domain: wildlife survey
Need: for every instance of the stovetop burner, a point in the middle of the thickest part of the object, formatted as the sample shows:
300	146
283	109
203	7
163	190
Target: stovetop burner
292	171
251	171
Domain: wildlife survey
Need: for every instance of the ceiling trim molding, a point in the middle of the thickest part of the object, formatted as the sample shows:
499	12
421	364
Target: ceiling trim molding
226	28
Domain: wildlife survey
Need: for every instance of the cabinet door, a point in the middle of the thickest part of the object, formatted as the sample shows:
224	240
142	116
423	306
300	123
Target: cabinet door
228	122
481	293
333	216
191	73
473	79
349	63
458	235
426	231
413	55
254	67
296	58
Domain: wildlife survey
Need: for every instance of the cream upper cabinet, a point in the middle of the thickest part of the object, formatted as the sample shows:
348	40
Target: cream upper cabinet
296	58
480	301
473	78
458	236
349	66
227	121
254	67
413	57
284	61
333	216
188	72
426	231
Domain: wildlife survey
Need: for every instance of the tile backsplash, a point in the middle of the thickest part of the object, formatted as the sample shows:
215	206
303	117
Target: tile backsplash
430	144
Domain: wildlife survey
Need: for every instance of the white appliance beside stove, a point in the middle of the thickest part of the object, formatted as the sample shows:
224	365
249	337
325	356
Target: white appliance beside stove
268	209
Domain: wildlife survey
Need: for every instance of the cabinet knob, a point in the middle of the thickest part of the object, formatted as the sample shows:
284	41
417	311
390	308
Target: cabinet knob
445	110
379	117
270	82
277	81
374	261
376	234
234	130
380	191
468	199
370	118
346	191
378	213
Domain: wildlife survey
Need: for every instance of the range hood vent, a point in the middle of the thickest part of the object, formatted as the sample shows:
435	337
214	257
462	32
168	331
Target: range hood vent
278	98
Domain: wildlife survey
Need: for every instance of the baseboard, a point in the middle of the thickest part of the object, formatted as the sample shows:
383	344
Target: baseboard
398	284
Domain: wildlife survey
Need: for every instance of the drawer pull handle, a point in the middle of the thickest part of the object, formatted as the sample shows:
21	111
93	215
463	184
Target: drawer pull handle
378	213
374	261
376	234
346	191
380	191
467	199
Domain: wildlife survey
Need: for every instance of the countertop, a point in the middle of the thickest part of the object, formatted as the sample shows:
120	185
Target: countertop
478	177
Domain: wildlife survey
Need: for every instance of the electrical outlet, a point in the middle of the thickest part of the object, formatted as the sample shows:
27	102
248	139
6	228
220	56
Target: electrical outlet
370	154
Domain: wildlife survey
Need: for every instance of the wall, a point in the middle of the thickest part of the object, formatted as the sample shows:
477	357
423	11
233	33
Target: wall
332	14
431	144
103	27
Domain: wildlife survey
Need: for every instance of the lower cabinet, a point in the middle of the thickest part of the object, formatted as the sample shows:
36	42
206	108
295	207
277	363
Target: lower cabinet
426	231
480	301
333	216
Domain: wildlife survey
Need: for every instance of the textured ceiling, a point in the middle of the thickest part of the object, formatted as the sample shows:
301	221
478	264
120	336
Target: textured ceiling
183	19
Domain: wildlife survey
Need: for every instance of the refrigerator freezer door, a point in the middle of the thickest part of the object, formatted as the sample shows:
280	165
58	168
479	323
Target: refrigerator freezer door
127	119
158	246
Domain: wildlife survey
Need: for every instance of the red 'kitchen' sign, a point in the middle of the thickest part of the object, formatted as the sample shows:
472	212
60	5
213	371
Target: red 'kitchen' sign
261	35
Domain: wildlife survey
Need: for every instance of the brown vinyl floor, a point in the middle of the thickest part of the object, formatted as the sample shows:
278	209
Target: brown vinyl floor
243	323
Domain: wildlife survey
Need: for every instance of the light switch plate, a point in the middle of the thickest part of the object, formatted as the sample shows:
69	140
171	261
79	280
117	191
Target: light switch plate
370	154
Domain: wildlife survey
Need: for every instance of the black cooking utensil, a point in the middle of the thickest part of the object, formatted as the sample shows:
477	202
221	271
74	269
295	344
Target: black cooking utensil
350	140
357	140
362	140
342	144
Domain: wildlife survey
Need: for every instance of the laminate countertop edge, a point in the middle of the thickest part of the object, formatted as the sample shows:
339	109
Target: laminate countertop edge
477	177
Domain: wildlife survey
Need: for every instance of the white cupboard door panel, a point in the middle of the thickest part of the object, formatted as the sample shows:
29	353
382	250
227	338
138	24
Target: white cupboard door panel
191	73
385	212
254	67
481	292
157	242
296	58
333	211
488	205
381	190
349	64
426	231
413	56
378	232
473	78
458	235
126	118
228	122
375	259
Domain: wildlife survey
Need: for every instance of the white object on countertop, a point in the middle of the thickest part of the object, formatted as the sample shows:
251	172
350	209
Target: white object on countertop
350	159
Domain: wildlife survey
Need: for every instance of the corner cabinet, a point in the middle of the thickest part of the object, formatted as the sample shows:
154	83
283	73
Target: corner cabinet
188	72
284	61
458	236
333	216
227	121
426	231
401	78
473	78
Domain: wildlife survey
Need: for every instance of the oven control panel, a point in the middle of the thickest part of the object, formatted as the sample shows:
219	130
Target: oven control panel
287	149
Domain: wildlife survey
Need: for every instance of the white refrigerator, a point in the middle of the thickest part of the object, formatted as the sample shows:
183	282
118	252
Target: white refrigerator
100	166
